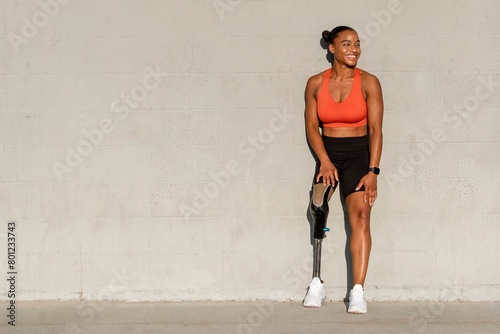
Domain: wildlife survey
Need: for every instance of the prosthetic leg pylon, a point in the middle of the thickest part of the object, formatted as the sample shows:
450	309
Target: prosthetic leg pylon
316	293
319	215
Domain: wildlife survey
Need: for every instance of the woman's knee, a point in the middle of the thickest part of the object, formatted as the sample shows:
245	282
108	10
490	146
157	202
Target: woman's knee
363	215
357	207
360	219
360	227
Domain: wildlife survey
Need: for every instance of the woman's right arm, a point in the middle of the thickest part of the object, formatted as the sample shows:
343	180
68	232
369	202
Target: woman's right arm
327	170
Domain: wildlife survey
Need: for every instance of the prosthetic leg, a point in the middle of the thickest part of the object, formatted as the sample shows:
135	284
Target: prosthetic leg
319	211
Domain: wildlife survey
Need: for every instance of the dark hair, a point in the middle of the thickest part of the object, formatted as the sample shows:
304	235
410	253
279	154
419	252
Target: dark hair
329	36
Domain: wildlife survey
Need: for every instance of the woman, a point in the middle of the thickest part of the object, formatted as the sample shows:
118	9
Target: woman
346	103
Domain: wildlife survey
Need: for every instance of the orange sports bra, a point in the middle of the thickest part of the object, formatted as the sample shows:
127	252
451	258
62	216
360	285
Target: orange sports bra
349	113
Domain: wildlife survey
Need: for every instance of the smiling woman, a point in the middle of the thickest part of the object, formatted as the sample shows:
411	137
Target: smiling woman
343	116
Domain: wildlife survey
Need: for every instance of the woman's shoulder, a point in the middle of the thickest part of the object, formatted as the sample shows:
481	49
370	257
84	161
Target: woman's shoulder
316	79
369	82
367	77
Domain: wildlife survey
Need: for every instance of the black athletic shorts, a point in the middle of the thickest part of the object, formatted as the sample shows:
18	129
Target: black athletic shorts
351	157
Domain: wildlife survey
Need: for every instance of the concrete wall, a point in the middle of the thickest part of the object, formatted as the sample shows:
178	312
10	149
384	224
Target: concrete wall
155	150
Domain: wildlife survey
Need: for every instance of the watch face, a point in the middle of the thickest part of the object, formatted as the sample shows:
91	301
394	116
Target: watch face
374	170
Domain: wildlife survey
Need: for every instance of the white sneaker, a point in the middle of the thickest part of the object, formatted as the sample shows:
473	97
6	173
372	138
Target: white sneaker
315	294
357	303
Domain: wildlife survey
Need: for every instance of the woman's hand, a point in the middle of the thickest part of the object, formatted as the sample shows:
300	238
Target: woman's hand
370	183
329	173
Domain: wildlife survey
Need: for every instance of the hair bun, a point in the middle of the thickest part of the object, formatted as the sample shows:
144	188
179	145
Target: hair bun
326	36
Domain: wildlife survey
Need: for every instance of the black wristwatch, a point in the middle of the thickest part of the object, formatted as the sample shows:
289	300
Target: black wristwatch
374	170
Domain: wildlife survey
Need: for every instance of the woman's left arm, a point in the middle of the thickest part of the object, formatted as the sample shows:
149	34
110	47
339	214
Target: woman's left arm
375	107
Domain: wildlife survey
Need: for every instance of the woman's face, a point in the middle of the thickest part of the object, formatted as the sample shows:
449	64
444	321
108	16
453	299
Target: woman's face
346	48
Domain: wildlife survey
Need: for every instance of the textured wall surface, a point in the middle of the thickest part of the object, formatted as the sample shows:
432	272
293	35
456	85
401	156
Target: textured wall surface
155	149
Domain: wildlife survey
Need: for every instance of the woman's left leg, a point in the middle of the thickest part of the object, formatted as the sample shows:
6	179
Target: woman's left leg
360	241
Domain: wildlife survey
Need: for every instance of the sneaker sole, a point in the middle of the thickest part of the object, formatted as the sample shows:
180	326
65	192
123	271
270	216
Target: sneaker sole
356	311
313	305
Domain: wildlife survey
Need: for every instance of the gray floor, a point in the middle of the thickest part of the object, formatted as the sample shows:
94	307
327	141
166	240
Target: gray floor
251	317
